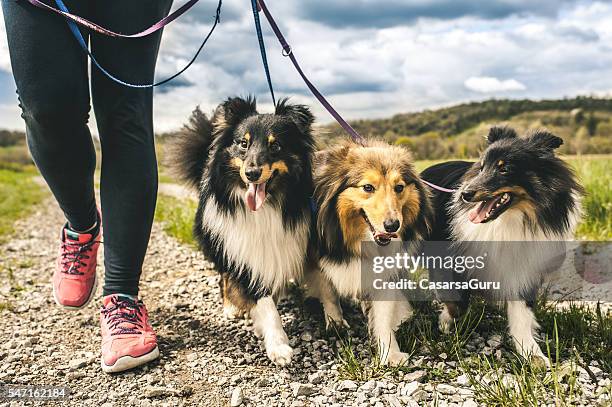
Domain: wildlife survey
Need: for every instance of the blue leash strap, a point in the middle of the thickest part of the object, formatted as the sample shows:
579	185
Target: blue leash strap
83	44
262	48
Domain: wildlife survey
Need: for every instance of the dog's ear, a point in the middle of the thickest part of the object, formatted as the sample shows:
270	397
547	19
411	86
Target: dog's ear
497	133
234	110
330	181
545	141
299	114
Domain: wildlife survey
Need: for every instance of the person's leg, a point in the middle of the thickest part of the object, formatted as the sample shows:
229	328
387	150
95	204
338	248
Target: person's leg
128	184
52	81
50	72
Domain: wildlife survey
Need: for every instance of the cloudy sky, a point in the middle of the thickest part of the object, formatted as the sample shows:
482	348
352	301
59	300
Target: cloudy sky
375	58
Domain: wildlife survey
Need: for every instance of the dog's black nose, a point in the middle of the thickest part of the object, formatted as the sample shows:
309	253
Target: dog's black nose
467	196
391	225
253	173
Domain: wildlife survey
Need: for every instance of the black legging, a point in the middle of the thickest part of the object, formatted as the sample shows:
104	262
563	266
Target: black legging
52	80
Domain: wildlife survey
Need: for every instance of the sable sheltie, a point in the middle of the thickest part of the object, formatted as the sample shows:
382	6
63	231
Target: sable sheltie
517	191
254	176
367	193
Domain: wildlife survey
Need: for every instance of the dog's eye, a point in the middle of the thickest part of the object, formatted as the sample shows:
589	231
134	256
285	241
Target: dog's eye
398	188
244	143
368	188
275	147
503	169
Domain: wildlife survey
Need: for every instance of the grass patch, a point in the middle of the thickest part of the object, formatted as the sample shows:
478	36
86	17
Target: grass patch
177	217
573	337
595	176
353	367
578	329
18	192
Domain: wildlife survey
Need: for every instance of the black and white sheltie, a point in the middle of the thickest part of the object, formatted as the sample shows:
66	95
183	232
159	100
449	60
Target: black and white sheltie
254	177
517	191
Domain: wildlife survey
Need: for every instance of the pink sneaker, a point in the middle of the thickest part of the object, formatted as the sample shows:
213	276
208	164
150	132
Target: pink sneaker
128	339
74	279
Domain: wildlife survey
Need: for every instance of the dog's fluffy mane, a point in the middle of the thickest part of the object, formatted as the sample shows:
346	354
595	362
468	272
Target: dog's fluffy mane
335	170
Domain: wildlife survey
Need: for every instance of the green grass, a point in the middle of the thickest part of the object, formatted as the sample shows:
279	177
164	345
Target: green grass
573	337
596	176
176	217
18	192
583	332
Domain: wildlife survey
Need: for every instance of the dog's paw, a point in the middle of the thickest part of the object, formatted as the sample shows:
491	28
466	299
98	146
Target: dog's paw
533	353
336	325
539	361
396	359
232	312
446	323
279	353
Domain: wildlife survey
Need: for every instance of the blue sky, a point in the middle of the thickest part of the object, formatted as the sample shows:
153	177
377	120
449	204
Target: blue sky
376	58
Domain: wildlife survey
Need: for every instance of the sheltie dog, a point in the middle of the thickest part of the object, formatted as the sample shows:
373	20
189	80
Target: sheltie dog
367	193
518	191
254	176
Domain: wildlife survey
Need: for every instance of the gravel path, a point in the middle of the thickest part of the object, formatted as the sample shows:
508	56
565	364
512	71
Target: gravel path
205	360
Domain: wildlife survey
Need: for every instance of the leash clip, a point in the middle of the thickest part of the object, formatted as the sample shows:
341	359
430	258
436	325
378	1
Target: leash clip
287	50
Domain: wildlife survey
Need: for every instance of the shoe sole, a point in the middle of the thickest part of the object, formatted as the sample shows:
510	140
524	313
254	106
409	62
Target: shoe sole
72	308
130	362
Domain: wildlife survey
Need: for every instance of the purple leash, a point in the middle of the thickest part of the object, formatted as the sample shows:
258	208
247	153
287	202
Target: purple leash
101	30
288	52
439	188
357	138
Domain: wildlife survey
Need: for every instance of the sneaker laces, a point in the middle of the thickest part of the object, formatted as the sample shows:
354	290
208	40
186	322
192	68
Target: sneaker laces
73	254
124	315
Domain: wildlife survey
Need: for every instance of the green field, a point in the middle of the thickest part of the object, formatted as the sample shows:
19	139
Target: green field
18	192
595	174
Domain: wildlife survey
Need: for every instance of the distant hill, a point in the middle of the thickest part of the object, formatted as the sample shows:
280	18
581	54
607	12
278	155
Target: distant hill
585	123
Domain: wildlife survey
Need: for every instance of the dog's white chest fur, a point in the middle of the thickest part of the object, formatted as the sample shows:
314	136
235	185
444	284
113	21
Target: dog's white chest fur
345	277
274	253
516	266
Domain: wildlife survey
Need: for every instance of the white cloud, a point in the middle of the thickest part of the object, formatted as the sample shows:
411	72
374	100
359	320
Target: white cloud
377	72
489	84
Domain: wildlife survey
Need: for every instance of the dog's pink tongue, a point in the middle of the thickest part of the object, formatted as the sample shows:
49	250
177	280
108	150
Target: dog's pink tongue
477	214
256	195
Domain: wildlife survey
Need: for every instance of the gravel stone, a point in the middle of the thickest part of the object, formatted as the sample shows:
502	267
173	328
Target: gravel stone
236	398
347	385
301	389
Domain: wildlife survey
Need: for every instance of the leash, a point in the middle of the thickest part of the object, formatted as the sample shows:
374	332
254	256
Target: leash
439	188
287	51
262	48
101	30
79	37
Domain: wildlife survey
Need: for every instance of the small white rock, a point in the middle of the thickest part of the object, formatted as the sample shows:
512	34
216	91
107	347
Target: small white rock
446	389
236	398
347	385
463	380
301	389
409	388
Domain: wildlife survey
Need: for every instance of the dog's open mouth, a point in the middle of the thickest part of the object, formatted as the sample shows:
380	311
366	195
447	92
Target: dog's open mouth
381	238
491	208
